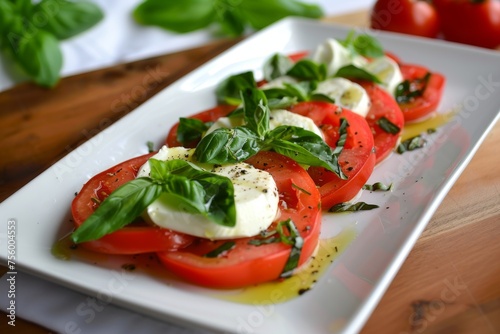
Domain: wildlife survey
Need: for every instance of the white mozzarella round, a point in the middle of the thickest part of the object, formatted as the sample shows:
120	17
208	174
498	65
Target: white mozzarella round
334	55
346	94
387	71
255	193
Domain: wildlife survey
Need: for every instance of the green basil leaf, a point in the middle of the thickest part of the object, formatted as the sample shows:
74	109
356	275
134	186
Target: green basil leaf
277	66
190	129
227	146
352	207
67	18
301	91
411	144
189	188
7	13
386	125
294	239
227	246
178	16
281	103
352	71
40	57
378	186
321	97
303	146
410	89
229	18
363	44
261	13
228	91
118	209
256	111
23	7
306	69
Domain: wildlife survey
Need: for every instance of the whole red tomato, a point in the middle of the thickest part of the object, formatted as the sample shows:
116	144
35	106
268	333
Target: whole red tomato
475	22
405	16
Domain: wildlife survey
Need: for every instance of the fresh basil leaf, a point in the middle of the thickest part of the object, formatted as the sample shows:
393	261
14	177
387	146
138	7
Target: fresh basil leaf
321	97
352	207
150	146
256	111
238	112
40	57
294	239
411	144
227	246
227	146
118	209
228	91
378	186
352	71
23	7
67	18
300	90
7	13
196	191
178	16
261	13
386	125
306	69
190	129
363	44
281	103
303	146
410	89
277	66
229	18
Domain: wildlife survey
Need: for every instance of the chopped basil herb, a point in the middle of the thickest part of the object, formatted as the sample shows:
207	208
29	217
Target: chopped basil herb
202	192
150	145
410	89
411	144
295	240
378	186
431	131
265	241
221	249
321	97
301	189
350	207
386	125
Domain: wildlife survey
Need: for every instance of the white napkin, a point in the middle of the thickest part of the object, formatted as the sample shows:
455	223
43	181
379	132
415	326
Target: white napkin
116	39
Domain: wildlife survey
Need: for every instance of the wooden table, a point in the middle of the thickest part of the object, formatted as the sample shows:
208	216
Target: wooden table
450	282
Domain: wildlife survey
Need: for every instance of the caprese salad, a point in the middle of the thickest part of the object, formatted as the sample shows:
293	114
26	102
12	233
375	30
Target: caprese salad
236	195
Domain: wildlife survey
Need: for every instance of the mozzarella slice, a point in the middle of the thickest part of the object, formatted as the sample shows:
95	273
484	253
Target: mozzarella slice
346	94
277	117
387	70
334	55
255	193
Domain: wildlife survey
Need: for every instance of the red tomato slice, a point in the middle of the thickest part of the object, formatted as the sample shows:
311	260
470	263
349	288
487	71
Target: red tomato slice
132	239
247	264
205	116
427	103
382	105
357	159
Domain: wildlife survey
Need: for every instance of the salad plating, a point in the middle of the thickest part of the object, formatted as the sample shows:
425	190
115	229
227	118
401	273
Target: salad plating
302	141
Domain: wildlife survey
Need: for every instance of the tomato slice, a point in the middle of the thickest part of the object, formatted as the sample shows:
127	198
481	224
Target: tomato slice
246	264
383	105
205	116
136	238
428	102
357	159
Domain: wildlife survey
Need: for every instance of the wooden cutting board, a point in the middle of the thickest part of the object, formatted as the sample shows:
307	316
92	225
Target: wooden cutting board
450	283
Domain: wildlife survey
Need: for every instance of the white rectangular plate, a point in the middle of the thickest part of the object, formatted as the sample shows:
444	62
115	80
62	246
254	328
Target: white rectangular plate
346	294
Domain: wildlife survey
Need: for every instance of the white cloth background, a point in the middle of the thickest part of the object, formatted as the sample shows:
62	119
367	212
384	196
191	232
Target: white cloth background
115	40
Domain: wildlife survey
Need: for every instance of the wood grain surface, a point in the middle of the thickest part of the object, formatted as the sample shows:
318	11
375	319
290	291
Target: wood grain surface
450	282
